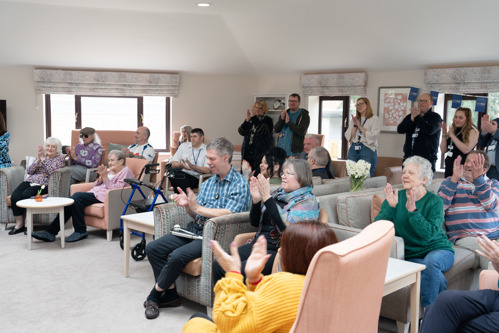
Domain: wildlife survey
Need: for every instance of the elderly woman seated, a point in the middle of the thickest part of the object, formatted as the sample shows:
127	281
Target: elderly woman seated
87	154
292	202
48	159
264	303
109	179
418	216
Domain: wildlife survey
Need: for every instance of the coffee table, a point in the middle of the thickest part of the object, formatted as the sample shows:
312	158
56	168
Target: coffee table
142	222
399	274
47	205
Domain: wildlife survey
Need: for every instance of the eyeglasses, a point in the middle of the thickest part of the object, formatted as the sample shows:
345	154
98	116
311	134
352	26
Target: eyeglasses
84	135
360	104
423	101
287	174
292	101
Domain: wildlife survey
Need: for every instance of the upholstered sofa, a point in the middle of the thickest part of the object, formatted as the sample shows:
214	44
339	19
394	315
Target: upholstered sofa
10	178
349	213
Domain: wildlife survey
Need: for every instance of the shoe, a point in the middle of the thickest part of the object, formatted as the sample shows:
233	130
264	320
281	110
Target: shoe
152	310
17	231
169	299
76	236
43	236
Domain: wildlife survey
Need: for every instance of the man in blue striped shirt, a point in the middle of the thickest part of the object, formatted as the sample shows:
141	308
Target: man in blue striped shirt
226	192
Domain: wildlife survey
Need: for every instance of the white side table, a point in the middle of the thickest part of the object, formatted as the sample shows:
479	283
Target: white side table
142	222
47	205
401	273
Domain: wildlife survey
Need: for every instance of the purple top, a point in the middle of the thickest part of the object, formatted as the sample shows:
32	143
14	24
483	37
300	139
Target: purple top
89	156
114	181
40	171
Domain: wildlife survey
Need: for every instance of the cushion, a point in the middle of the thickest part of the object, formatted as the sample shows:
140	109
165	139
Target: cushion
9	203
115	146
29	161
95	210
354	210
193	267
376	203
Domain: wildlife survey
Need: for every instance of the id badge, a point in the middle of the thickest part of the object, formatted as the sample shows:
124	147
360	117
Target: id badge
450	147
358	147
415	135
448	154
491	148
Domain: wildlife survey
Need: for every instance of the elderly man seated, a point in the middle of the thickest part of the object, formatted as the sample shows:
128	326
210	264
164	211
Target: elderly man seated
318	159
471	202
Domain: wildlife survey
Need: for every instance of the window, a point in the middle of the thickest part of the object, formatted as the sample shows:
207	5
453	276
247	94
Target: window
64	113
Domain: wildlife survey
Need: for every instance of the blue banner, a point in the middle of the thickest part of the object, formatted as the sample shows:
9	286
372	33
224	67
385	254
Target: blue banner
434	96
413	94
456	101
480	104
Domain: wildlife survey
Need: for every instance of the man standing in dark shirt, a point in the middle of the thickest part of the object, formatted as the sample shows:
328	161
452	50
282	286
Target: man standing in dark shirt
422	131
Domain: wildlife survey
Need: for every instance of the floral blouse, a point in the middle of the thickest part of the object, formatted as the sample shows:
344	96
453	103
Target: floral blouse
89	156
39	172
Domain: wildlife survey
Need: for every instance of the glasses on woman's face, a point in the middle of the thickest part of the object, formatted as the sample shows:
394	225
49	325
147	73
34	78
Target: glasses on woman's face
287	174
84	136
360	104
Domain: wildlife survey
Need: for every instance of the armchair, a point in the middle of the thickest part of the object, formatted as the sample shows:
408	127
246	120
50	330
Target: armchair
106	215
10	178
337	296
195	283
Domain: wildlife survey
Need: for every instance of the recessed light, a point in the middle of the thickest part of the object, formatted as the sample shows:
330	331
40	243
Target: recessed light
204	4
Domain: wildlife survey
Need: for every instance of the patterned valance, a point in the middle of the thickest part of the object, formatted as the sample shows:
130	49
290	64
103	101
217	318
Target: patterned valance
463	79
49	81
341	84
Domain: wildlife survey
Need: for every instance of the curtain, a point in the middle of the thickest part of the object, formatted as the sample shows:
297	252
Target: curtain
463	79
341	84
97	83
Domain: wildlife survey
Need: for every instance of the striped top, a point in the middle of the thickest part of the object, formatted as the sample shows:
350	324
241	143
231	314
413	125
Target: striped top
470	209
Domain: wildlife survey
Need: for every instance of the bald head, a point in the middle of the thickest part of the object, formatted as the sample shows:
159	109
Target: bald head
142	135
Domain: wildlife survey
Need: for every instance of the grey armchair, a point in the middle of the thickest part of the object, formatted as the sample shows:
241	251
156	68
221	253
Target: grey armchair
10	178
223	229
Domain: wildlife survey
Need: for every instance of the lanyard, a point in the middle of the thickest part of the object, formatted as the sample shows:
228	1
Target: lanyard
359	132
194	157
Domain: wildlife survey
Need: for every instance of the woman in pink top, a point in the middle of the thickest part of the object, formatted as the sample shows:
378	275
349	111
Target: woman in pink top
109	178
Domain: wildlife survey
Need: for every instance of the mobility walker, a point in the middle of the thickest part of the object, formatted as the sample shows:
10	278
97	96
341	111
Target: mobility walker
143	205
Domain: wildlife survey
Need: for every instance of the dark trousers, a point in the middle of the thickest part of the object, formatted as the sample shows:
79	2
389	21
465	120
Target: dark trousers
244	253
183	180
463	311
81	200
169	254
24	191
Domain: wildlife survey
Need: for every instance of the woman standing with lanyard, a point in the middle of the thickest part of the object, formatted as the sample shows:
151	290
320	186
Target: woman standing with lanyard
362	133
459	139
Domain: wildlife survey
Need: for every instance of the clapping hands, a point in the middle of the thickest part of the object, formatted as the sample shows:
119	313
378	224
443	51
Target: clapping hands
391	198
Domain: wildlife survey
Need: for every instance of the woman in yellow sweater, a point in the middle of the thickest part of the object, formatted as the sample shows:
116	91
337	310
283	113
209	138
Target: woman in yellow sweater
264	303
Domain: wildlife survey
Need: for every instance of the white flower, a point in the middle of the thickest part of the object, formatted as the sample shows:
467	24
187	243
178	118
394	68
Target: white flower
358	169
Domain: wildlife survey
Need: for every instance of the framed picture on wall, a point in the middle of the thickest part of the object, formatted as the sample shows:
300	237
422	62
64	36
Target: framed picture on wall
393	106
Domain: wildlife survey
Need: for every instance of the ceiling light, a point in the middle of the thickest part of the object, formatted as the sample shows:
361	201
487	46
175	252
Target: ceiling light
204	4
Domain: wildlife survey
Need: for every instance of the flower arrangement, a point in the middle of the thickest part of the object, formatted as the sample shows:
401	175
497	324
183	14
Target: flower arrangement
358	172
40	190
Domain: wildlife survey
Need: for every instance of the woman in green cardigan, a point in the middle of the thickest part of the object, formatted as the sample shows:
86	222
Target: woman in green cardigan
418	216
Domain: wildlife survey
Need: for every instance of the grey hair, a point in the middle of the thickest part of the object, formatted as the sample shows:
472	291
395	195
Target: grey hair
53	141
222	146
302	170
313	136
118	154
321	155
424	166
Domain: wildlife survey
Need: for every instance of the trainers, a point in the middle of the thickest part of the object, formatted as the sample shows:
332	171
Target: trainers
76	236
43	236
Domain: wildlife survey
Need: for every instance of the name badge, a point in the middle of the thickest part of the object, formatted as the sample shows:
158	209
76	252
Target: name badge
450	147
358	147
491	148
415	135
448	154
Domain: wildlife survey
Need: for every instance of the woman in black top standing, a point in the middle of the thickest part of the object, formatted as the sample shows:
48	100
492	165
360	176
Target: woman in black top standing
459	139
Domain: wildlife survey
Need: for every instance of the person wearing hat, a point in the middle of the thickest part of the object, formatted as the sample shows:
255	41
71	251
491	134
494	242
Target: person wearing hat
87	154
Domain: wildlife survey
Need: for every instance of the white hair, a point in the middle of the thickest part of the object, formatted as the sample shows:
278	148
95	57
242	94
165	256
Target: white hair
424	166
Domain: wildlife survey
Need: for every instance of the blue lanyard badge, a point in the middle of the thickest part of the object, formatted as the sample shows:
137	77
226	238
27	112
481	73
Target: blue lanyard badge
194	157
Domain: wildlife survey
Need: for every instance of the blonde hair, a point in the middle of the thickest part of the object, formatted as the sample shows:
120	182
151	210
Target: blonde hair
369	111
263	105
468	126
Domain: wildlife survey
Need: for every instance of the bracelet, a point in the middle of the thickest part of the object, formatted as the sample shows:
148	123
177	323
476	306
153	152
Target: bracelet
257	282
236	272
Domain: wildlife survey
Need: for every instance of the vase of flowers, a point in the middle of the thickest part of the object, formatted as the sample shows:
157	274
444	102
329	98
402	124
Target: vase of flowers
358	172
38	196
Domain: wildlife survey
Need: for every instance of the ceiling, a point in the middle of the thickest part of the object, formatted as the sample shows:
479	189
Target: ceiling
254	37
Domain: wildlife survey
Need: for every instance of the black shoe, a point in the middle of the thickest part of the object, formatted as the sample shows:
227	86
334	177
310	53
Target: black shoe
17	231
152	310
43	236
169	299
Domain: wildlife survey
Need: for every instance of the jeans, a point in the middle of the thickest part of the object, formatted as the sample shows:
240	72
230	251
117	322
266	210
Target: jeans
365	154
433	281
169	254
76	211
463	311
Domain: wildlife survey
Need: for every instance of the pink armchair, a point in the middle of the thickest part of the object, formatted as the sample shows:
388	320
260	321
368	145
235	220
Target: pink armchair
107	215
344	283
